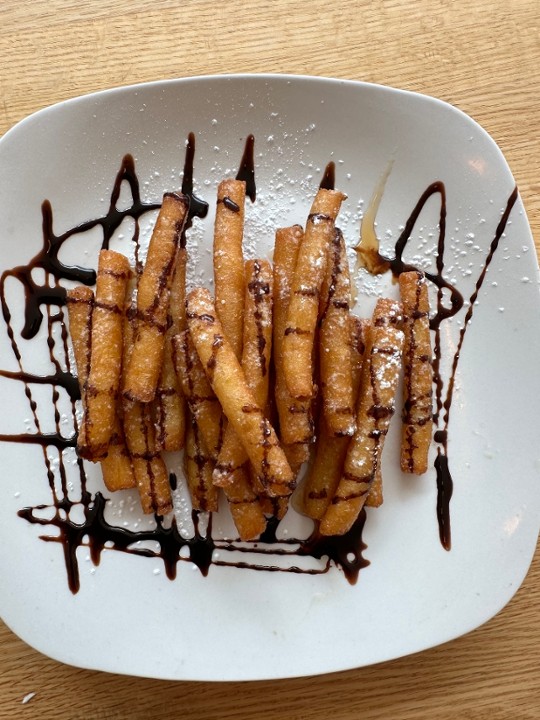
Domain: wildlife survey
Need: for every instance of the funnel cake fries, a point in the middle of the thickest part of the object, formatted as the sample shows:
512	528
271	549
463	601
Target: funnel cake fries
303	308
170	404
385	312
229	275
295	420
380	375
103	382
334	339
229	384
172	372
245	505
297	454
256	354
230	472
142	372
244	502
375	495
418	374
150	472
116	467
198	466
202	402
325	472
80	303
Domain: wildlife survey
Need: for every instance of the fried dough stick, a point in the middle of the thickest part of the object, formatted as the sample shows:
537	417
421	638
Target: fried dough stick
245	505
80	303
229	278
303	308
198	466
142	373
230	472
243	501
208	430
205	425
295	416
201	399
170	402
256	355
150	471
335	342
376	406
229	384
103	383
324	474
418	374
116	467
387	312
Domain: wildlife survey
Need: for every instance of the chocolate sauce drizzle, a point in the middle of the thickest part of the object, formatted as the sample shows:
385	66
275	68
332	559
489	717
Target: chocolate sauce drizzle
95	531
258	289
328	181
446	307
197	207
246	171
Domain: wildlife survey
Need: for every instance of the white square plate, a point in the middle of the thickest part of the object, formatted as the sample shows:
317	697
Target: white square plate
234	624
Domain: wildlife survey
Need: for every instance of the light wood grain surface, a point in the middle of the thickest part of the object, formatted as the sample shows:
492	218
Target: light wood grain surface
483	57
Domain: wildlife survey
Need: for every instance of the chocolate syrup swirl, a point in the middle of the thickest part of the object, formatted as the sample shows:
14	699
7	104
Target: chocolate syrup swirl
94	530
328	181
246	171
197	207
449	302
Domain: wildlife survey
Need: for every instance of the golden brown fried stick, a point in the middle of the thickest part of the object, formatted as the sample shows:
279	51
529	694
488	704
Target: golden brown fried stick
324	474
198	465
274	506
116	467
303	308
386	312
201	399
297	454
229	278
142	373
418	374
245	506
150	472
170	401
229	384
256	355
295	417
104	373
151	476
334	342
376	406
80	303
375	494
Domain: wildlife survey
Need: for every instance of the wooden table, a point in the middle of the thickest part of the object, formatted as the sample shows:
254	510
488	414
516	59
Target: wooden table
482	56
